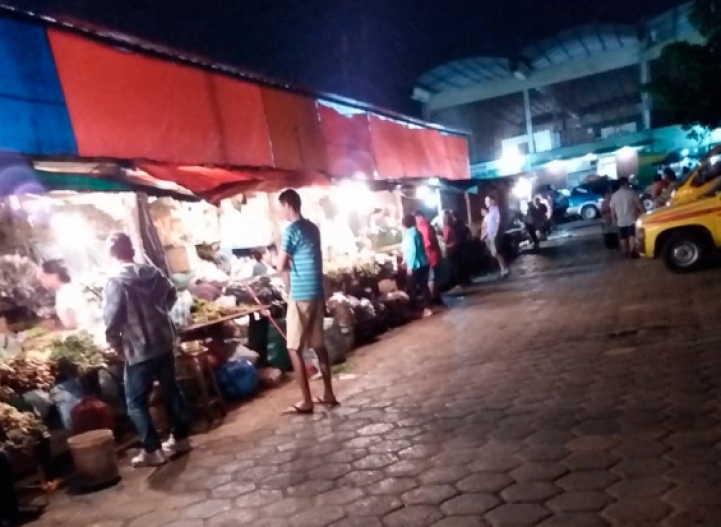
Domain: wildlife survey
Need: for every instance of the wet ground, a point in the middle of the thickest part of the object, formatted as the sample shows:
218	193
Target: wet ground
583	391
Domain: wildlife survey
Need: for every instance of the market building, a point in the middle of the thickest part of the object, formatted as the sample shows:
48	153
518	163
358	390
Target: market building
567	107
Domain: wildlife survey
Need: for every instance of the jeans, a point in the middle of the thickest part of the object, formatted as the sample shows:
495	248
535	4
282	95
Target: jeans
418	286
8	498
139	380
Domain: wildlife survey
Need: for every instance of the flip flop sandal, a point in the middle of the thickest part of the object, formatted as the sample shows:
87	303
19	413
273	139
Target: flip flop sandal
321	402
295	409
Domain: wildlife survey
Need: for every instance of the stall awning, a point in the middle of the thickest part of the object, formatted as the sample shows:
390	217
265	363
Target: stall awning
108	98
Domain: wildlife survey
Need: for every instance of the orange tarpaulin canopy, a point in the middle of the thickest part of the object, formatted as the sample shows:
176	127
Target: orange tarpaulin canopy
457	148
130	106
215	184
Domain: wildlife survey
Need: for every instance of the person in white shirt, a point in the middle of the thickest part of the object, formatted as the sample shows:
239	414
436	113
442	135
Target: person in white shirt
71	307
491	233
626	208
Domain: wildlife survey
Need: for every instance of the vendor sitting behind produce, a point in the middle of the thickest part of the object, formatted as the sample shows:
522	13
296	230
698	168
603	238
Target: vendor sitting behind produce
71	307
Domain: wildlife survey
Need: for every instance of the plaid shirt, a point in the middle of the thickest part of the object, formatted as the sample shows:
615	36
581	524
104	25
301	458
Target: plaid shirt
136	307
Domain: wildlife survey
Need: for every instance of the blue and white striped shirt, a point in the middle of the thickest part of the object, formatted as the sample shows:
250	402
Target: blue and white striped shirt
301	240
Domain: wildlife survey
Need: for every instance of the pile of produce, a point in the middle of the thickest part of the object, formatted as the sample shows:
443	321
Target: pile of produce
20	375
75	356
20	429
341	309
203	311
263	288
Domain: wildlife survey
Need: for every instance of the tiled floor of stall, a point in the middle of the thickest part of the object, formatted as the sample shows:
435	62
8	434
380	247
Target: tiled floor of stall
584	391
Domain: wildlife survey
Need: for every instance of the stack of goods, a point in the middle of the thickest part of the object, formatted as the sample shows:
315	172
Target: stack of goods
263	288
340	308
204	311
21	430
397	304
20	375
18	284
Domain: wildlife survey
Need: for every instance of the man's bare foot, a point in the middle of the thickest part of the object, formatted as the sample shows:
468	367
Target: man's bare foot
427	313
327	400
299	408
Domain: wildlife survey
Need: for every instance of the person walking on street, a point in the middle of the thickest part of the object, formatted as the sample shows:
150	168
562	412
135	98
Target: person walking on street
433	251
416	260
301	256
453	238
626	207
137	303
491	233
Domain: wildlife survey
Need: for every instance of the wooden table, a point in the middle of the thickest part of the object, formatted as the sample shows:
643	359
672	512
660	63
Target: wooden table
187	330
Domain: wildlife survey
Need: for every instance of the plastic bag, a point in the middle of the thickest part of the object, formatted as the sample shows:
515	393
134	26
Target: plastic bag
180	313
237	379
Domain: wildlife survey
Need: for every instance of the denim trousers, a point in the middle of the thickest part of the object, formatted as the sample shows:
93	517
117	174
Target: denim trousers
139	379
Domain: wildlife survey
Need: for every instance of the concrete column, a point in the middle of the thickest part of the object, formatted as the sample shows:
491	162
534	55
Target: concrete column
529	121
645	97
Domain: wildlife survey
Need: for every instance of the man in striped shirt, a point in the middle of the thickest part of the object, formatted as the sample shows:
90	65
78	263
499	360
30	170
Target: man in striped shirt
301	255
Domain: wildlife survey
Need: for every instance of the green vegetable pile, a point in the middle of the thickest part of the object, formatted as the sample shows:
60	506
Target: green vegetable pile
75	356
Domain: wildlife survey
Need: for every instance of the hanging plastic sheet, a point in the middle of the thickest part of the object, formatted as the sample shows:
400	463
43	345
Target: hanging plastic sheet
34	118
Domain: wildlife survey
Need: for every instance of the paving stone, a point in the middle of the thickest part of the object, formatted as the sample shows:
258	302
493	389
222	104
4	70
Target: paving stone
395	486
206	509
641	449
530	492
419	452
408	467
638	488
375	461
538	472
470	505
460	521
697	517
695	476
495	464
517	515
258	498
373	506
485	482
340	496
361	478
544	453
637	512
416	516
231	518
639	468
579	501
587	480
364	521
429	495
690	499
590	460
440	475
594	443
575	520
318	517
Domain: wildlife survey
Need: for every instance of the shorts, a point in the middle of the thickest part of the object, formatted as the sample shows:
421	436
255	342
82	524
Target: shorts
491	244
304	324
624	233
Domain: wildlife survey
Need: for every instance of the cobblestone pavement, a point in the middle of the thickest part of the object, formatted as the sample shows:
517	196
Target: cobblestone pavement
581	392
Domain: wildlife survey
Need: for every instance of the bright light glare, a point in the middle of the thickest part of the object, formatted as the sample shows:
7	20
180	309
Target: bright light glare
626	153
556	166
355	195
71	230
523	189
685	152
713	160
423	192
511	162
590	157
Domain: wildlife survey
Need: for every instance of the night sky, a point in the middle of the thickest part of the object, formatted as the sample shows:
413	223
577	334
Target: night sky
372	50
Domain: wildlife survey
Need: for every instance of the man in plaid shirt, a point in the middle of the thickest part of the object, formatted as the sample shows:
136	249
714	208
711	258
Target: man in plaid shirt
137	303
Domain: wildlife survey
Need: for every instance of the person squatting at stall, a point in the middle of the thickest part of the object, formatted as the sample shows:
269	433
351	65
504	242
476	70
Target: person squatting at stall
137	302
301	255
416	260
433	251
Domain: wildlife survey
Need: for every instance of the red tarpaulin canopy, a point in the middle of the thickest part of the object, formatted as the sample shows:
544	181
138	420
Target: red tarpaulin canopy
176	120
